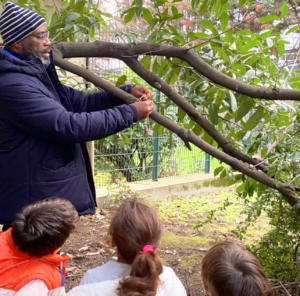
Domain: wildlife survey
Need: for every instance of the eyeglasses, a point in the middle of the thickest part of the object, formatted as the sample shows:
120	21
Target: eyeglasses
43	36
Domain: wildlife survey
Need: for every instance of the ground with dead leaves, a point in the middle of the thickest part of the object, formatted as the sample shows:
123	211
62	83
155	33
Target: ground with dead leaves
182	246
88	248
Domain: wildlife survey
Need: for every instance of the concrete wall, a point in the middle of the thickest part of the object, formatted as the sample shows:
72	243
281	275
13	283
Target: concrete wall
182	186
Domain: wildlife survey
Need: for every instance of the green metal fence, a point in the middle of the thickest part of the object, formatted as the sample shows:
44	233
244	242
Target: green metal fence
136	161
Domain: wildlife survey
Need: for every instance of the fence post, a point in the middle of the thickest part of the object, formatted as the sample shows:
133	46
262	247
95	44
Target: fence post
156	144
91	145
207	163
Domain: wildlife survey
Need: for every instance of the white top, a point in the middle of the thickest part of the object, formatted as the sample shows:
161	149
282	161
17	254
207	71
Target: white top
104	280
34	288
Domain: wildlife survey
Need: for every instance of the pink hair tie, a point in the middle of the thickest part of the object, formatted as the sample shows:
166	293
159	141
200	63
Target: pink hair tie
148	248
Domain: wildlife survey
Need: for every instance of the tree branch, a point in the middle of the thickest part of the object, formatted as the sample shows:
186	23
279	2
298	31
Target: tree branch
186	135
192	112
127	50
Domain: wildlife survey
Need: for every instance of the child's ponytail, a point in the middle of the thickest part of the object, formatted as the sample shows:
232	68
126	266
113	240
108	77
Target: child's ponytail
136	231
144	276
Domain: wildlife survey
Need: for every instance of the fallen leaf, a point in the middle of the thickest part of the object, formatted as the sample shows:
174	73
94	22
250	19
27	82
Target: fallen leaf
203	249
93	253
83	248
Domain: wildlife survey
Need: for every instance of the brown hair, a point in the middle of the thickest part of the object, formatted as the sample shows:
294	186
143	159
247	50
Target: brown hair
230	270
43	227
134	226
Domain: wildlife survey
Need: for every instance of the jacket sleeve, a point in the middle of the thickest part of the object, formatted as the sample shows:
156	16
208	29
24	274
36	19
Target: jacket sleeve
102	100
30	111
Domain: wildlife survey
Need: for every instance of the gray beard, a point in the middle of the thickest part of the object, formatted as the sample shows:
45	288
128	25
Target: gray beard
31	54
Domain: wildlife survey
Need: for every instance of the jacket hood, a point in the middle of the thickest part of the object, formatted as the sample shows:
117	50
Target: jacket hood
11	64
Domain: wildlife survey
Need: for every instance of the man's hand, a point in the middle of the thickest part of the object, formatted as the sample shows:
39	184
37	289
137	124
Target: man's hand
143	108
141	92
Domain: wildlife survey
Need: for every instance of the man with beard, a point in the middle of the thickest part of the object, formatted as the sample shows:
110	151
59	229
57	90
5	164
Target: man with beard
44	125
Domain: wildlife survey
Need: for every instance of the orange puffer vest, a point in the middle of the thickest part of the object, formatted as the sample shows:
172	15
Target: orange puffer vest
18	268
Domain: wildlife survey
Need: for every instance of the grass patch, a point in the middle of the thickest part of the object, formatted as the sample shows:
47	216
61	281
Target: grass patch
198	210
181	241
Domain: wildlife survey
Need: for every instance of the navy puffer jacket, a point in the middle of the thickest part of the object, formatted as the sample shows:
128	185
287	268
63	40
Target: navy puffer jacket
43	128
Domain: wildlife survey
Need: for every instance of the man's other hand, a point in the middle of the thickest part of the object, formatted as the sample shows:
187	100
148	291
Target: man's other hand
141	92
143	108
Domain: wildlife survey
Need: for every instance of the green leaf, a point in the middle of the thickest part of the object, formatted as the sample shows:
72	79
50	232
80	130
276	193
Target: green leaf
239	135
209	25
203	7
246	105
79	6
147	15
174	75
68	27
263	152
181	114
173	29
284	10
224	21
146	61
218	170
250	45
72	16
197	130
268	18
254	120
164	67
233	104
291	30
241	188
223	174
202	35
174	10
129	14
121	80
213	113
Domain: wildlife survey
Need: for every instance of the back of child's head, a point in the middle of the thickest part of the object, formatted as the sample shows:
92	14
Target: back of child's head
42	227
136	231
230	270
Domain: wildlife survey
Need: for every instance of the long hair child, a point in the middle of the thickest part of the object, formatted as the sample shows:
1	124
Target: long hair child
135	231
230	270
